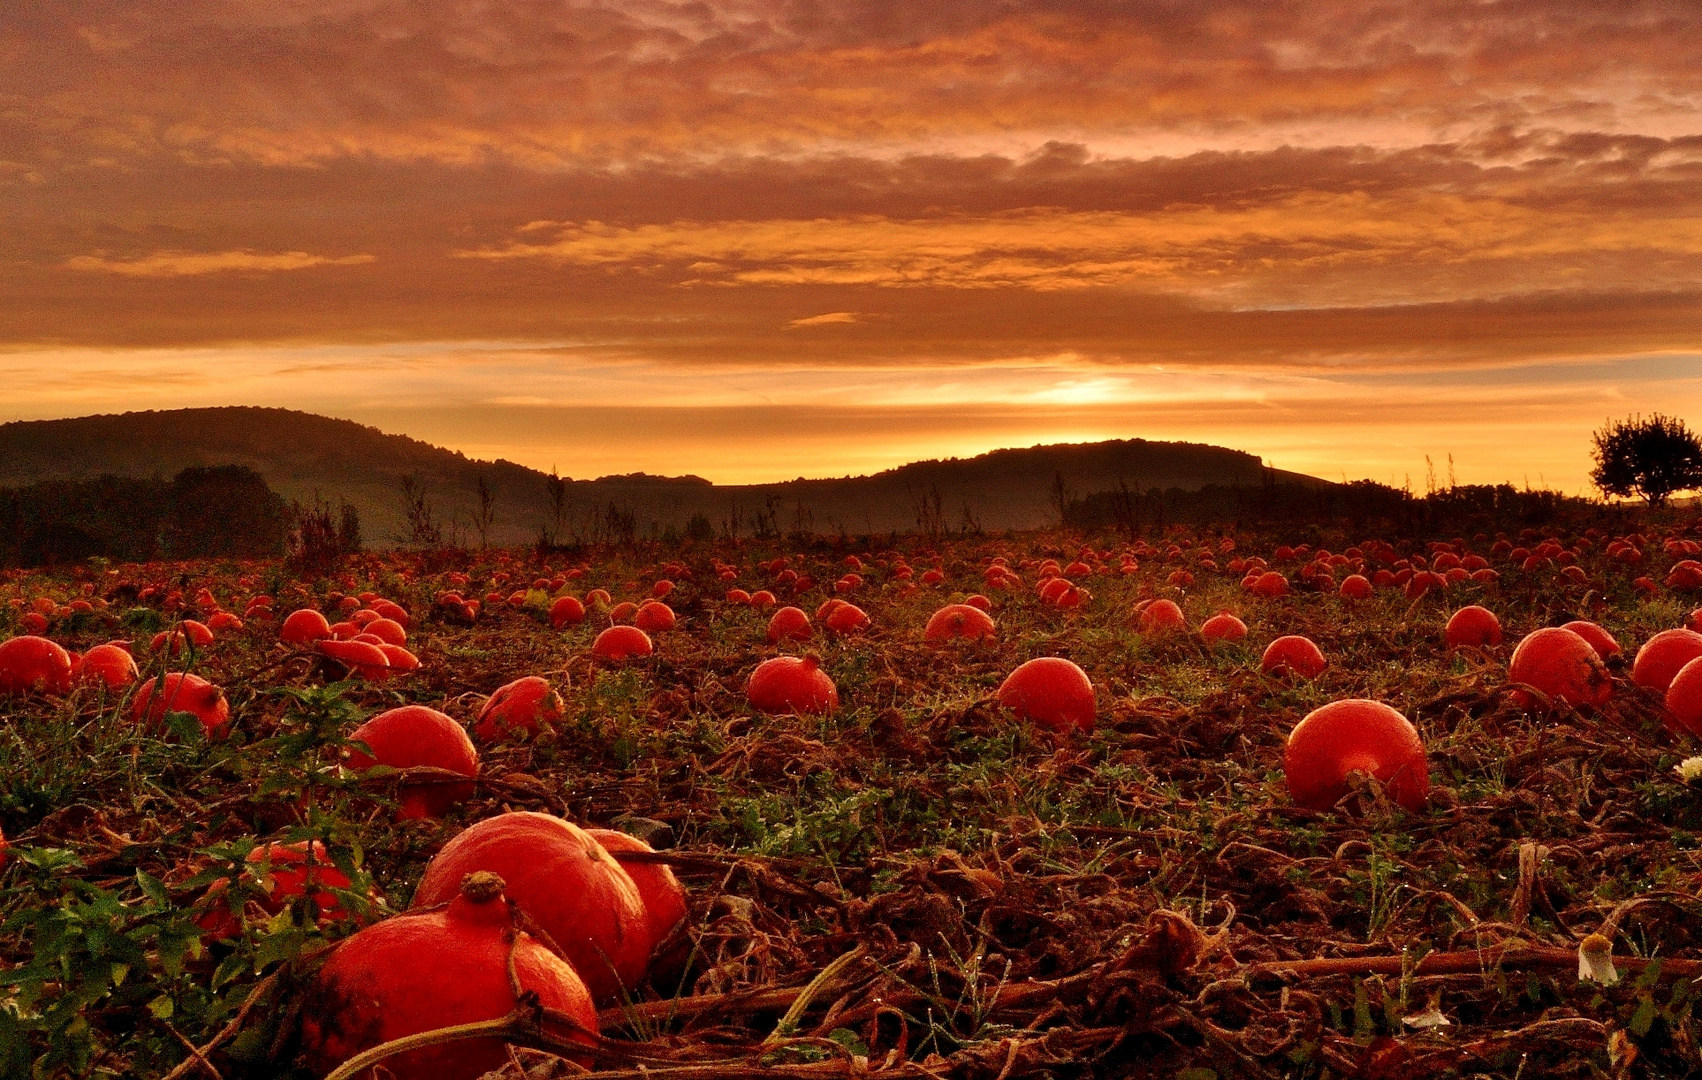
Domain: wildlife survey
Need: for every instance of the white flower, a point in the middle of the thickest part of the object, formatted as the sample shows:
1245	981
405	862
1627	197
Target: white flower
1431	1017
1689	770
1595	961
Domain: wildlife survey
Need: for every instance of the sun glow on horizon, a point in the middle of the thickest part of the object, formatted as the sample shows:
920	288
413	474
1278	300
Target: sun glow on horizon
595	415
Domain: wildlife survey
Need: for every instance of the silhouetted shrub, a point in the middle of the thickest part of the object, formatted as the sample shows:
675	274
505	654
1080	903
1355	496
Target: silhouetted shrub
222	511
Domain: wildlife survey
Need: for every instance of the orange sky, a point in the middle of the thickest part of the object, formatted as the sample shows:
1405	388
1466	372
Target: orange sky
755	239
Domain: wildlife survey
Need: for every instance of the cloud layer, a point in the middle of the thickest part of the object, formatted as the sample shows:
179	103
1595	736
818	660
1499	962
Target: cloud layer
1417	186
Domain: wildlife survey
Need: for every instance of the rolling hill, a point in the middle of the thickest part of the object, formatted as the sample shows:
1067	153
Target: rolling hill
303	455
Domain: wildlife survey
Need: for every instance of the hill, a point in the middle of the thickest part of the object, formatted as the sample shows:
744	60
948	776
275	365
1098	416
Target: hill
304	456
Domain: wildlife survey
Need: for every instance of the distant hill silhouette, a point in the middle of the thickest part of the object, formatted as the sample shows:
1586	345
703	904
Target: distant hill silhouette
302	456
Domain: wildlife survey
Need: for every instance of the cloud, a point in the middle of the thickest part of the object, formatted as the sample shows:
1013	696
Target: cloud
1228	251
827	319
558	85
1428	183
169	264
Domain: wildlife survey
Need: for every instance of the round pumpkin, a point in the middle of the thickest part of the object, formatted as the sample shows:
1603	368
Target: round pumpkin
565	881
432	969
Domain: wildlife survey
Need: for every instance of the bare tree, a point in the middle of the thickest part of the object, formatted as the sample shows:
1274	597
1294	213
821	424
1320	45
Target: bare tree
620	524
318	537
930	513
803	522
766	524
424	528
485	516
1126	510
557	485
1061	498
971	524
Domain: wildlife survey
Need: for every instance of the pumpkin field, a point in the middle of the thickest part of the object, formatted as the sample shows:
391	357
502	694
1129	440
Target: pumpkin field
1204	803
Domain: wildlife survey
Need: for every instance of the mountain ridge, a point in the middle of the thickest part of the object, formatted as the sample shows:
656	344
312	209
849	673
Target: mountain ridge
305	456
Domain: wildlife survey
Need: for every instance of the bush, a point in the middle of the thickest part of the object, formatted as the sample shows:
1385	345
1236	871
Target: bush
318	537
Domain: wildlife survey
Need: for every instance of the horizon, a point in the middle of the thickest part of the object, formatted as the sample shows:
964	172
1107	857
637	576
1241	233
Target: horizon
1438	476
757	240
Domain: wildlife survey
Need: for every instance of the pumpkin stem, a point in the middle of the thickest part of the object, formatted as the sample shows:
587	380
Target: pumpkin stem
482	886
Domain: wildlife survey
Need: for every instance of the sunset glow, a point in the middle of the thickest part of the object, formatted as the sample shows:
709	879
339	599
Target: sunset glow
752	240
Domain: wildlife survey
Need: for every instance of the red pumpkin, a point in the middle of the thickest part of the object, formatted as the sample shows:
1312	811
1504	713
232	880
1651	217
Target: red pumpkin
566	611
387	630
432	969
959	622
653	617
1662	655
1052	692
363	659
181	692
622	643
109	665
789	624
1355	587
1561	665
401	660
1599	639
1293	654
411	737
1351	736
565	881
661	893
1472	626
1163	617
519	708
1223	627
304	627
30	663
1684	699
395	612
283	872
846	619
790	684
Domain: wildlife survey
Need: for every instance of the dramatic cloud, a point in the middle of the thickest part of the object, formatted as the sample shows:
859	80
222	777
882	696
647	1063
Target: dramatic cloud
791	186
1210	252
187	264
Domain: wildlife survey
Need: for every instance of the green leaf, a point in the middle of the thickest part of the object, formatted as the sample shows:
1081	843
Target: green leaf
161	1007
1643	1018
152	887
178	943
850	1040
53	860
1362	1024
230	968
186	726
282	945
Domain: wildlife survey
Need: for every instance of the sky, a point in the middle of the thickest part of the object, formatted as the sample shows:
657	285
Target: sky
757	239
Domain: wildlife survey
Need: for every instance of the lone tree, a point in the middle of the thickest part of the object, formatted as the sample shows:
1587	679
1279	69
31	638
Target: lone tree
1653	458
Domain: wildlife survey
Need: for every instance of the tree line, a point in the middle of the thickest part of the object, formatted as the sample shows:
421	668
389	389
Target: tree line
220	511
